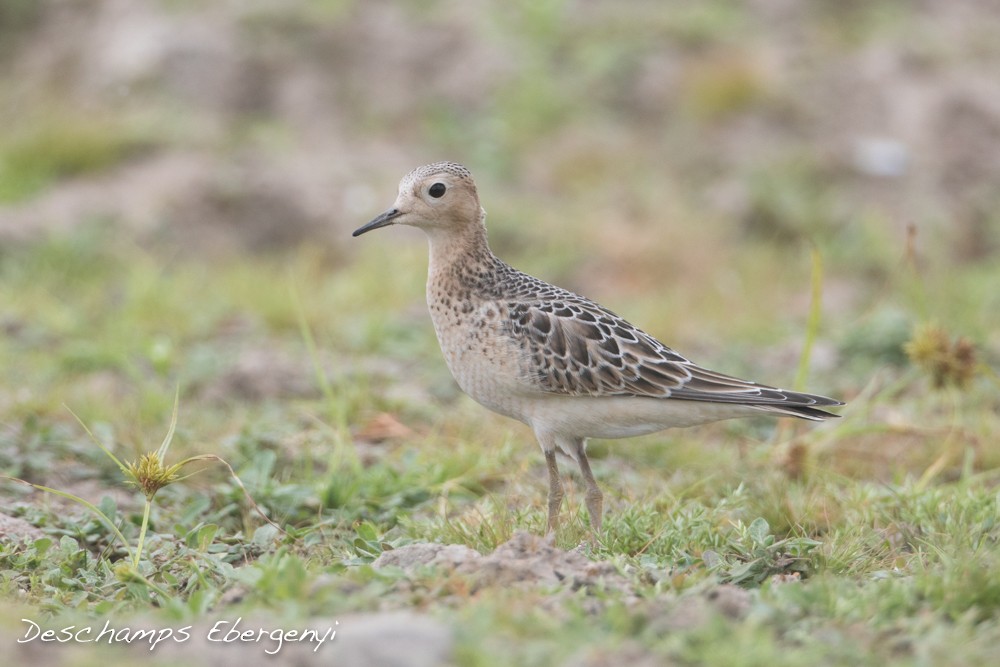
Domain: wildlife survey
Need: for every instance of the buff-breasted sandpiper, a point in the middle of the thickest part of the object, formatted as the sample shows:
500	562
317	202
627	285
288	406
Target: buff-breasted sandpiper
562	364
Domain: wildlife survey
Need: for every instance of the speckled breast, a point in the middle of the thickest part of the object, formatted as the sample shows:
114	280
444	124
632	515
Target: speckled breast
485	363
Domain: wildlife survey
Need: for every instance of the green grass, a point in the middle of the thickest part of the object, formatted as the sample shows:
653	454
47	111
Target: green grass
35	155
893	565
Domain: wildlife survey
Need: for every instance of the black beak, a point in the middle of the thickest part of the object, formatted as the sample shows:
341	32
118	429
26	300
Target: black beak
383	220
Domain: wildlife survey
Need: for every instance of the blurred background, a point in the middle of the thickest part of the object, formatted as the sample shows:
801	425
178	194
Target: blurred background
262	124
178	183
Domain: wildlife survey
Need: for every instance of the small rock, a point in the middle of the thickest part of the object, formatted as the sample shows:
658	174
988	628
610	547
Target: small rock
881	157
730	600
412	556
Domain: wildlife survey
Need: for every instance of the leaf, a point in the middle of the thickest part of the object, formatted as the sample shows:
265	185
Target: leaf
42	545
206	535
165	445
759	531
264	535
747	572
366	531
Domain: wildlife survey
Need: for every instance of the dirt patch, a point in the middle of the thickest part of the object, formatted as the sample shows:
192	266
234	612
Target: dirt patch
138	193
261	373
531	562
526	560
13	529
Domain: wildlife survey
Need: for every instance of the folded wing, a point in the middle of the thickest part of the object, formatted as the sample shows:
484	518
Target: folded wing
575	347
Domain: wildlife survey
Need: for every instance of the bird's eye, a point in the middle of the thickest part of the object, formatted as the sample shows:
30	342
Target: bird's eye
437	190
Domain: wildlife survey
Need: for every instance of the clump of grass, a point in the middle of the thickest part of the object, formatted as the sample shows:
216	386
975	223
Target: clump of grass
949	362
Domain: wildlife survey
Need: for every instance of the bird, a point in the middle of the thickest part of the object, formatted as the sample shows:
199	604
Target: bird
564	365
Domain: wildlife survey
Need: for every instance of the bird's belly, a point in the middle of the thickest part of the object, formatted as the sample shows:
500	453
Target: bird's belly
624	416
485	369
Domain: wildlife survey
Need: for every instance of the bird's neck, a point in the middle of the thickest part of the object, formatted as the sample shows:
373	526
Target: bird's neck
456	251
461	261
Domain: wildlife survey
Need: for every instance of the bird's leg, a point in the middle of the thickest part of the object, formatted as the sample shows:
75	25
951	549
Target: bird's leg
595	499
555	489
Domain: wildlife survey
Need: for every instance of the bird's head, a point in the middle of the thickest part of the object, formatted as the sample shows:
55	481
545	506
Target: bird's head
438	198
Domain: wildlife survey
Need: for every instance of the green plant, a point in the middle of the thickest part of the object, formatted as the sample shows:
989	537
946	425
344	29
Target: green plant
949	363
149	473
756	554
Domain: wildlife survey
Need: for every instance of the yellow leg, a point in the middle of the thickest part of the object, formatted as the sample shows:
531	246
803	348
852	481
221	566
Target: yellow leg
595	499
555	489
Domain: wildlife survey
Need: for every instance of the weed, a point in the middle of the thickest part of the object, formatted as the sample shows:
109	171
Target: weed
150	474
947	362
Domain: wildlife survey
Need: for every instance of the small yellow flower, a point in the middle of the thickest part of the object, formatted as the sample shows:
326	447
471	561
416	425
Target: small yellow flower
150	475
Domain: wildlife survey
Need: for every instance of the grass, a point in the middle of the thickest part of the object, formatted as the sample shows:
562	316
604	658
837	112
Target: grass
886	561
